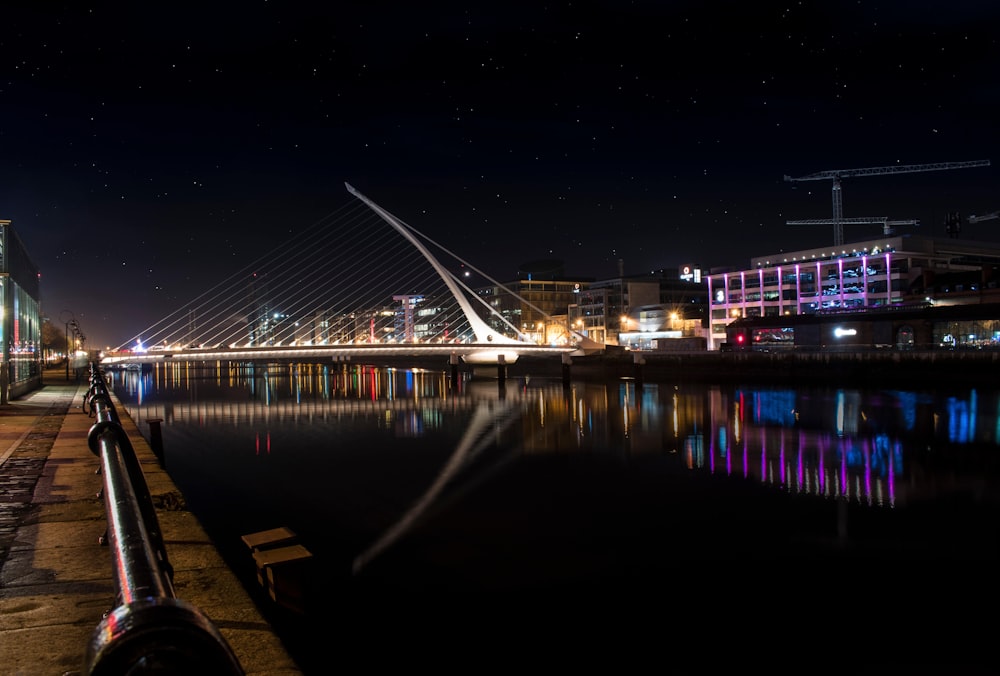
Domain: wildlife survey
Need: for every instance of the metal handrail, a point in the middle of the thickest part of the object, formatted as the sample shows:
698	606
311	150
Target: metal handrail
150	630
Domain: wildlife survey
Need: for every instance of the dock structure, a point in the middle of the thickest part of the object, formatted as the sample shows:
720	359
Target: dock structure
283	566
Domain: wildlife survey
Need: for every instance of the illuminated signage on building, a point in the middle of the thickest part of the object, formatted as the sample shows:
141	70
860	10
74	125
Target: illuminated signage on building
690	273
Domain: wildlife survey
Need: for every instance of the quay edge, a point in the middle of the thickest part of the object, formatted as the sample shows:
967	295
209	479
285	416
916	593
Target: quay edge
887	368
56	579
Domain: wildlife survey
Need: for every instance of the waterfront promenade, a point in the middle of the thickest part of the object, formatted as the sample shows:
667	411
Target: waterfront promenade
56	579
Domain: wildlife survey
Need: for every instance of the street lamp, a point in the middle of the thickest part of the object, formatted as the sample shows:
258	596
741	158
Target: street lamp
68	318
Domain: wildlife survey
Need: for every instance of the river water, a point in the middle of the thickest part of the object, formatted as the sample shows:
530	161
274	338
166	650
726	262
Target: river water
436	508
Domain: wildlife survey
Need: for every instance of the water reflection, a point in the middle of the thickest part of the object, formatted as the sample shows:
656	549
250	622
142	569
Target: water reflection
816	443
586	506
872	447
486	420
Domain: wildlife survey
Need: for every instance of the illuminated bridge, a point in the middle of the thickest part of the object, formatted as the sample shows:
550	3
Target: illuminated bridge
473	353
359	285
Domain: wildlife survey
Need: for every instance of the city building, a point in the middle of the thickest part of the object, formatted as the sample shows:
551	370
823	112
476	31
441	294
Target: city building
605	311
903	327
644	312
683	293
660	328
535	303
891	271
21	326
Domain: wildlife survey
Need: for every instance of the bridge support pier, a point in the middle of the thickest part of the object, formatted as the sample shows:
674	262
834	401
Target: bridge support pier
637	361
567	361
501	369
453	360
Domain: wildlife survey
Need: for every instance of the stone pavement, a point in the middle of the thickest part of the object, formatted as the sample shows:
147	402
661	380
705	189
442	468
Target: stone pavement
56	579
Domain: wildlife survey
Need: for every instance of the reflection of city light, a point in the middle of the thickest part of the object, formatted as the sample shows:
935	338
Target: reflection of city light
762	426
839	413
959	421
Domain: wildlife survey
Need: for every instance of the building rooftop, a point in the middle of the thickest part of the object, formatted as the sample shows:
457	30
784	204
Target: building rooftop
911	244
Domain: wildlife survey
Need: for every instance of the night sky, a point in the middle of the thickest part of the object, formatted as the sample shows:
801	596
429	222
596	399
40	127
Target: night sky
148	151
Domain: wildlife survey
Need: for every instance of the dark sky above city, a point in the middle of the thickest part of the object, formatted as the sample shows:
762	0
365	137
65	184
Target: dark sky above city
148	151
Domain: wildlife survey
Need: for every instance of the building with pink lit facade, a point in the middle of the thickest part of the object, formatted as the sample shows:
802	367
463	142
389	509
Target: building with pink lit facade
888	271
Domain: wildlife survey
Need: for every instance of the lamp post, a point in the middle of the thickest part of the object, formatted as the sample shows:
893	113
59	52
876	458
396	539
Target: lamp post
68	318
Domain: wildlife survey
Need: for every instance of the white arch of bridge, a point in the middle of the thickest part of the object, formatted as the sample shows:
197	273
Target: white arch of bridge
485	335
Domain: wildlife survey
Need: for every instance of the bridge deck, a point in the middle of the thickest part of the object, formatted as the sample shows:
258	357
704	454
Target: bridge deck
472	353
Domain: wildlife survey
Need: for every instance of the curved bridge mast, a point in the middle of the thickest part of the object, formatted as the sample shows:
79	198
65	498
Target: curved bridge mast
484	333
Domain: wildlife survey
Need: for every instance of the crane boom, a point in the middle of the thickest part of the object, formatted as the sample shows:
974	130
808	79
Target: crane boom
887	224
837	174
893	169
985	217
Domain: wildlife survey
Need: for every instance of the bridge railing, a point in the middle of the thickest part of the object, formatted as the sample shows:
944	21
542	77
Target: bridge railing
150	630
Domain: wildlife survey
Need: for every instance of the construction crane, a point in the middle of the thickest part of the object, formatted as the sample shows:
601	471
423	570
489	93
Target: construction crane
985	217
888	226
837	174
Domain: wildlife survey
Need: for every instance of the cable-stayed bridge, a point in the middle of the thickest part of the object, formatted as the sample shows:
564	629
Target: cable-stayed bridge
358	284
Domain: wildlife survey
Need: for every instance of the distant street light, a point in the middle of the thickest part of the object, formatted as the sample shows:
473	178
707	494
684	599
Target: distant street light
67	318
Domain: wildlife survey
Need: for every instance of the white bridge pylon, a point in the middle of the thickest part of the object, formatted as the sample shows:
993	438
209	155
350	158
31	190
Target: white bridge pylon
485	334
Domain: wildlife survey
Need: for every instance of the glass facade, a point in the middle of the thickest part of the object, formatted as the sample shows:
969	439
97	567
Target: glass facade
873	274
801	288
21	326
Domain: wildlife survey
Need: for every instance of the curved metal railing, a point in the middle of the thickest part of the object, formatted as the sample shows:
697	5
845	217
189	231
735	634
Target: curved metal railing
150	630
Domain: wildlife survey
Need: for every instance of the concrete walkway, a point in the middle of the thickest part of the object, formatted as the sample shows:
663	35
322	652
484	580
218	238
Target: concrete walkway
56	579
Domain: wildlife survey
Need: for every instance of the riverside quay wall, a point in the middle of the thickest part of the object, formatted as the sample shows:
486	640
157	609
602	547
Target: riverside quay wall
876	368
